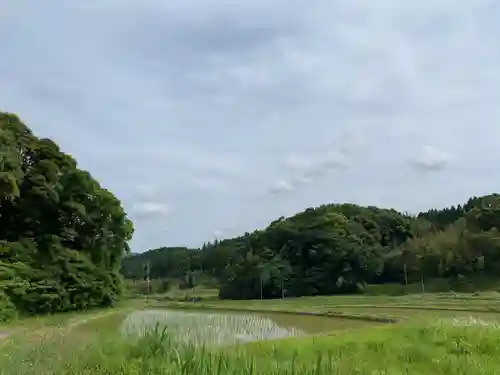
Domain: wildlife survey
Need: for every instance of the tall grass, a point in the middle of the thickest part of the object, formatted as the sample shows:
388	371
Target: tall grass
456	347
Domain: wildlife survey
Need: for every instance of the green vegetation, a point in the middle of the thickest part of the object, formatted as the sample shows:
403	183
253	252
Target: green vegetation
63	249
452	346
343	249
370	308
62	236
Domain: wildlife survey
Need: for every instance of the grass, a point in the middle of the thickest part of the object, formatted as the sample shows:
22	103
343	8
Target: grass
477	283
416	348
93	343
461	347
377	308
176	294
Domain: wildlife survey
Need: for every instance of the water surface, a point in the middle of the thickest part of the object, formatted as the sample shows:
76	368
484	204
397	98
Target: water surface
219	327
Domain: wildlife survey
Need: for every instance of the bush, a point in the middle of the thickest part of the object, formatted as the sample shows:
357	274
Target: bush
62	235
8	311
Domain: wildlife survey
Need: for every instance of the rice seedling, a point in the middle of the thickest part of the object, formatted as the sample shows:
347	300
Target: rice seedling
216	343
207	328
401	307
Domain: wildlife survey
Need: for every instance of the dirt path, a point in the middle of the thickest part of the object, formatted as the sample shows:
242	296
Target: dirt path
80	321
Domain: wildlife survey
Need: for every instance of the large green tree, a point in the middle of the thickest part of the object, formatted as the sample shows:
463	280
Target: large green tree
340	248
62	236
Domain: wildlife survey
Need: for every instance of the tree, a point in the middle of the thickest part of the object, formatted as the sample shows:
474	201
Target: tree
62	236
341	248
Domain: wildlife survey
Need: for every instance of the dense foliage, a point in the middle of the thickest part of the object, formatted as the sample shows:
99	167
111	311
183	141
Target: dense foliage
340	248
62	236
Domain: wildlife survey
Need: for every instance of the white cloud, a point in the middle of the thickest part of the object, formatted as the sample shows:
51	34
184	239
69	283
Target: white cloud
353	142
305	180
334	160
432	159
206	162
208	104
281	186
212	183
151	210
145	191
304	170
298	162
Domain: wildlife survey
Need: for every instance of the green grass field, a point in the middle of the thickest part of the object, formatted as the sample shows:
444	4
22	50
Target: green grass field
484	305
93	343
186	294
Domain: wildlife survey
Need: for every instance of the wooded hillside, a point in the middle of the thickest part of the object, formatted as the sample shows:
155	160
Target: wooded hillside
340	248
62	236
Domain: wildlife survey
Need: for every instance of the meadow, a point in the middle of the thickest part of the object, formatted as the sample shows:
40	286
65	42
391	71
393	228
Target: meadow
485	305
136	339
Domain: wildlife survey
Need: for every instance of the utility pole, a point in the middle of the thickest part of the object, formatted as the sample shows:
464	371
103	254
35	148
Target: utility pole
422	274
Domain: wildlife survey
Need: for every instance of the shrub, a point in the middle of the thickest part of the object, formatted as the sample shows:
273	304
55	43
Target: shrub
8	311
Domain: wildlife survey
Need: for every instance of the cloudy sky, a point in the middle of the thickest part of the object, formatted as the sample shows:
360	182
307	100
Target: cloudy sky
211	118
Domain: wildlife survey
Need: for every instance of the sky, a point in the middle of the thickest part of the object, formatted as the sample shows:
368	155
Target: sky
211	118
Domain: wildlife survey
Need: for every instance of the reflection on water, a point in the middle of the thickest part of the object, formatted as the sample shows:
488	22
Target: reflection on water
312	324
212	327
207	328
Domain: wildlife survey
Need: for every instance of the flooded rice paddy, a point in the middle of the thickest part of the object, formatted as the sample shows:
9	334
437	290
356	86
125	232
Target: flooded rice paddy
221	328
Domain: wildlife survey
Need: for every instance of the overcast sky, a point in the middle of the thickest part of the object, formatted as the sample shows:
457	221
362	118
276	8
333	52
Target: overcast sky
209	118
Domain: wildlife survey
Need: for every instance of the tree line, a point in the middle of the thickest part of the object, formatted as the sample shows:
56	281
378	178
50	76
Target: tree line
341	248
62	235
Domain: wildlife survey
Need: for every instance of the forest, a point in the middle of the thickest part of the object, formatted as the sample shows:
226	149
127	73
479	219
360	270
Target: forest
64	242
339	248
62	235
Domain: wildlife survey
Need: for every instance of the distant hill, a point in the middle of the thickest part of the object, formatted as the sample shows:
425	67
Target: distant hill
340	248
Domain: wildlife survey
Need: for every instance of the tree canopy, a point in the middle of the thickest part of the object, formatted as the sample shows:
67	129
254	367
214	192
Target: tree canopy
341	248
62	236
